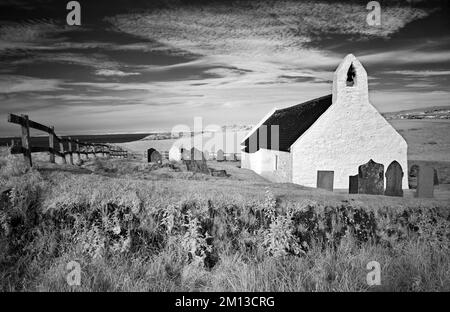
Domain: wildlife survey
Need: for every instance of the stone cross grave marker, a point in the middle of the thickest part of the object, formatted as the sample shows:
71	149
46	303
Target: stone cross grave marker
394	177
325	180
425	182
371	178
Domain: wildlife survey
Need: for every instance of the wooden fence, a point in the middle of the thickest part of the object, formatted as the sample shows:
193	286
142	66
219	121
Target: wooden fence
56	144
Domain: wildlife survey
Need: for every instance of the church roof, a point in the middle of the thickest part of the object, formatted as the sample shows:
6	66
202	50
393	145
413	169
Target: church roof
292	122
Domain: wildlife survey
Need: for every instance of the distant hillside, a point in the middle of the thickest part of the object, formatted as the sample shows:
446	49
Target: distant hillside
442	112
178	135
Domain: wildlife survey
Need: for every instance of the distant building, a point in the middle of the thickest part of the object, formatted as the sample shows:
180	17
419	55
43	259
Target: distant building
337	132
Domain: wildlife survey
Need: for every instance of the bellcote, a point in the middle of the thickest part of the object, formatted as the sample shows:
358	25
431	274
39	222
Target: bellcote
350	80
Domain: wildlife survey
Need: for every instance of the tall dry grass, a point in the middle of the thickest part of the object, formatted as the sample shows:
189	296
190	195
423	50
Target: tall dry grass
134	234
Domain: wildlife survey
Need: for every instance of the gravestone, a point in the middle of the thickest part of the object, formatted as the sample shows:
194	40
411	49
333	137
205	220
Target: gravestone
185	154
220	156
425	182
196	162
231	157
413	173
436	178
412	179
353	184
218	173
325	180
4	198
153	156
371	178
394	177
207	155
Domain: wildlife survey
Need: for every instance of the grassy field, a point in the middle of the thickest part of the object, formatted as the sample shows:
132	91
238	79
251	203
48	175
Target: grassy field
134	226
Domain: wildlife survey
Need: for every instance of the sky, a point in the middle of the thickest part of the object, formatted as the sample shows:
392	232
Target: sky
143	66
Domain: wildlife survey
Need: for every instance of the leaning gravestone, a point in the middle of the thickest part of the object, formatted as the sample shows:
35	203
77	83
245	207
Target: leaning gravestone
394	177
154	156
325	180
353	184
196	162
220	156
425	182
371	178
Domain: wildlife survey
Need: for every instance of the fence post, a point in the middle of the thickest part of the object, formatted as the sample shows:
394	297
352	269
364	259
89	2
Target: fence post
94	151
70	151
51	144
26	141
61	150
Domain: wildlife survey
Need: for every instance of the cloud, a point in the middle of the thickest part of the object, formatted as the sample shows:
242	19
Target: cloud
16	83
96	60
262	28
37	35
420	73
111	72
259	43
407	56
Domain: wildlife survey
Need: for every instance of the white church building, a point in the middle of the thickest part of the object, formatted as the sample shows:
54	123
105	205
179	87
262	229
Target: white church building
337	132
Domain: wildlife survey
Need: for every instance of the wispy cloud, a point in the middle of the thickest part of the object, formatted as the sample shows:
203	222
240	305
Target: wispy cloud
420	73
259	28
407	56
15	83
35	35
111	72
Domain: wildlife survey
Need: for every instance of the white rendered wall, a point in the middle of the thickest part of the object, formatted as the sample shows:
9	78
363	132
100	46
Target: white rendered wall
348	134
263	162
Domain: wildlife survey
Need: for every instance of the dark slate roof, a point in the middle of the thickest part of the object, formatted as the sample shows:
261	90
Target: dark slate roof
292	121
